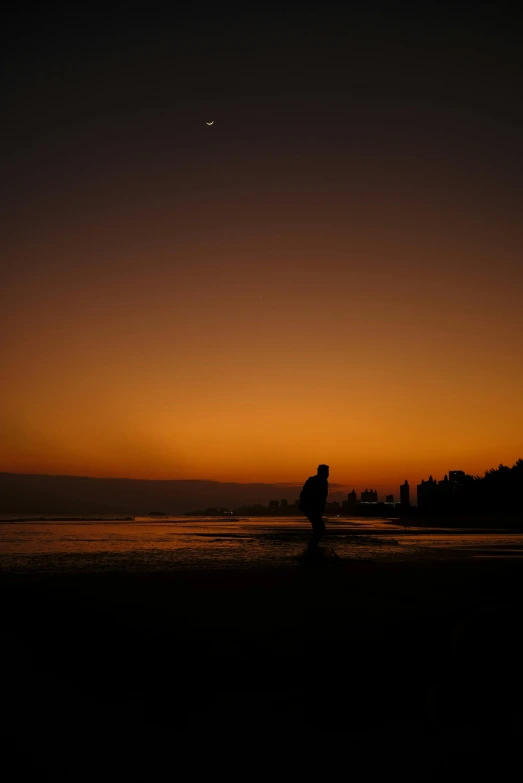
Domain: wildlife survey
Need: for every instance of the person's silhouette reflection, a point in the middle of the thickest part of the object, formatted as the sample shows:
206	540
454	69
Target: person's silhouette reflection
312	502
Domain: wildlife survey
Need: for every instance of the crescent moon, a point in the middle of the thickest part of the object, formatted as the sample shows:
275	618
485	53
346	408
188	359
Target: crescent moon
209	123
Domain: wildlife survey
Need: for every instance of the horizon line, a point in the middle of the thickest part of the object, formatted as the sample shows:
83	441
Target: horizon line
128	478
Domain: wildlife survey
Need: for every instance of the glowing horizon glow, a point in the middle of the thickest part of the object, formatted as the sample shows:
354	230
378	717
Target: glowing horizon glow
249	305
159	367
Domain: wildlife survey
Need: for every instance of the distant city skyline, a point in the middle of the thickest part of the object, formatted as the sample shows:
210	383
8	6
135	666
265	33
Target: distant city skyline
405	489
30	493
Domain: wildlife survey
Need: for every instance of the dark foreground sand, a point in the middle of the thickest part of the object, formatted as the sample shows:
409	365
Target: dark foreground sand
410	667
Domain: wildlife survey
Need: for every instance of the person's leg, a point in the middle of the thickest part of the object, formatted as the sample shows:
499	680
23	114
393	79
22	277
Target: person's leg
318	529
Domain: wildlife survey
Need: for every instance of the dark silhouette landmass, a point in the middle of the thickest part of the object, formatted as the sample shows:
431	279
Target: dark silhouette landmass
38	494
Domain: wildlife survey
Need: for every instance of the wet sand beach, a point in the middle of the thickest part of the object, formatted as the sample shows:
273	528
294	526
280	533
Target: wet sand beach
426	650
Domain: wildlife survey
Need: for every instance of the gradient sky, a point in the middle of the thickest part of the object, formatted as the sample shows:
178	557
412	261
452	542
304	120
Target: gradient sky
332	272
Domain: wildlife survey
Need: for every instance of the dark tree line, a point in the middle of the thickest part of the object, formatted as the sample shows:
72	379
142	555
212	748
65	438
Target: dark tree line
500	490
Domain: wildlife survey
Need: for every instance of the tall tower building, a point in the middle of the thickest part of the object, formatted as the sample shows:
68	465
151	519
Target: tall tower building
351	498
405	493
456	479
427	493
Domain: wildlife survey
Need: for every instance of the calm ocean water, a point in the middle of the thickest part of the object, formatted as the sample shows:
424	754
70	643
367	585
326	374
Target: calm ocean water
188	542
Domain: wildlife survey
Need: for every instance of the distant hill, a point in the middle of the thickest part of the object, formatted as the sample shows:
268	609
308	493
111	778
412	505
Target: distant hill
22	493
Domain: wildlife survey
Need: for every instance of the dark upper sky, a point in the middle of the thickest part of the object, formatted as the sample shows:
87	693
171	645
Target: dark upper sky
358	196
69	68
126	89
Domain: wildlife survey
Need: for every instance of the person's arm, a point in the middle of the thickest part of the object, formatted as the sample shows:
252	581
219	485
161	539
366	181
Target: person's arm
325	494
305	496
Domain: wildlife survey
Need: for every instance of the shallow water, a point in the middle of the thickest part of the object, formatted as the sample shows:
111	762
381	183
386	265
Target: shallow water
189	542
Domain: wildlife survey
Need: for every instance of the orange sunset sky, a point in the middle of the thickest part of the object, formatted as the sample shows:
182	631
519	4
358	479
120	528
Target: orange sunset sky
332	272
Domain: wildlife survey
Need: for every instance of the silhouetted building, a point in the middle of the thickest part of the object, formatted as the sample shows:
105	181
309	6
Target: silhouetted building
369	496
448	494
444	496
284	505
389	498
456	479
351	499
405	493
427	493
274	505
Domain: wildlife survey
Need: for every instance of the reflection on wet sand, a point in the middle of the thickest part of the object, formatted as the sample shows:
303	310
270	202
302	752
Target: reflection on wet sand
214	543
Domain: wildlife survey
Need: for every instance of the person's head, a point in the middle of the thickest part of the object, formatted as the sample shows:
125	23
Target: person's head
323	470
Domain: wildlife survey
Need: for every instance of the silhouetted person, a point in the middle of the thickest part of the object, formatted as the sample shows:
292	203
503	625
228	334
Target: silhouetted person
312	502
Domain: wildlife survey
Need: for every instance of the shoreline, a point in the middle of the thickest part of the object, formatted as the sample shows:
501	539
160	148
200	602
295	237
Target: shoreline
477	521
405	527
14	520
